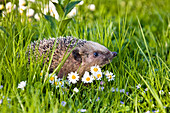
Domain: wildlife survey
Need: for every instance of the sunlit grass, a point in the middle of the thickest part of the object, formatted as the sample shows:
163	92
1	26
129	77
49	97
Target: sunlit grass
137	30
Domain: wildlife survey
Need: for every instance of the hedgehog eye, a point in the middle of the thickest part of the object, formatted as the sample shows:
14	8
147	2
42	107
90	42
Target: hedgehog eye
95	54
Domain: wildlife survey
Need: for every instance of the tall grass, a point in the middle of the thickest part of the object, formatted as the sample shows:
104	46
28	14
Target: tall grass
137	30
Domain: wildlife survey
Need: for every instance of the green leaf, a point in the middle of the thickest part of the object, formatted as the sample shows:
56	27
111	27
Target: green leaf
4	30
64	24
52	21
65	2
70	6
59	9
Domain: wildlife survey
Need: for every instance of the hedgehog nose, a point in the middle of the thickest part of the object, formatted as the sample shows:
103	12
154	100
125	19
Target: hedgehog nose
114	54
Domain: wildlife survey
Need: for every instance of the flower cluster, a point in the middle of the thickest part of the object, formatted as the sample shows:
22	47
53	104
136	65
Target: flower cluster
96	74
73	77
55	81
25	8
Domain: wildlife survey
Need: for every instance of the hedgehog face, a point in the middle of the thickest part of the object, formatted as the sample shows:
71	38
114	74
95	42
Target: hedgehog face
93	53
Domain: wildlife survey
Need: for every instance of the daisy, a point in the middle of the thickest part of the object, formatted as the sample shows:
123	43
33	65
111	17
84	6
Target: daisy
30	12
76	90
91	7
22	85
59	82
110	76
73	77
22	2
72	13
53	11
87	78
21	9
9	6
81	3
52	78
106	73
54	1
36	16
95	69
97	75
41	74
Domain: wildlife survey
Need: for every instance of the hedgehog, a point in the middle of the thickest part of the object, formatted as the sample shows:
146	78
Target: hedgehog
83	54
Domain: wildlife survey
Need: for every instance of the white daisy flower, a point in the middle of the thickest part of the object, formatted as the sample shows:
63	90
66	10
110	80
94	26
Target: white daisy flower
45	9
22	2
9	6
91	7
110	76
87	78
95	69
53	11
21	9
72	13
55	1
76	90
59	82
81	3
41	74
52	78
3	13
22	84
36	16
30	12
106	73
97	75
73	77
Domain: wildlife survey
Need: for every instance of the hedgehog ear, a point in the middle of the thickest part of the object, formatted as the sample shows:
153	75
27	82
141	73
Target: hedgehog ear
76	55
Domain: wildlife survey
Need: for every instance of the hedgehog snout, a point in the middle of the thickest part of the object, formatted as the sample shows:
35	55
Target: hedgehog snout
114	54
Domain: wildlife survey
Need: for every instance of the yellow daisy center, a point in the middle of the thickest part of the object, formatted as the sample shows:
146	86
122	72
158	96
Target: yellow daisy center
61	82
99	75
56	83
41	74
73	77
95	69
88	79
109	76
52	78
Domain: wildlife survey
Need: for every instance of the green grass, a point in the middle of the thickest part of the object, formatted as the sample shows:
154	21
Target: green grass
138	30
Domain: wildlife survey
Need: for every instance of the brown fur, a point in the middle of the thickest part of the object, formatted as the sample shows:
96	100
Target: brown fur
82	56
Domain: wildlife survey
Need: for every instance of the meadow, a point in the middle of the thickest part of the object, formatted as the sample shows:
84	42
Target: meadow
138	30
